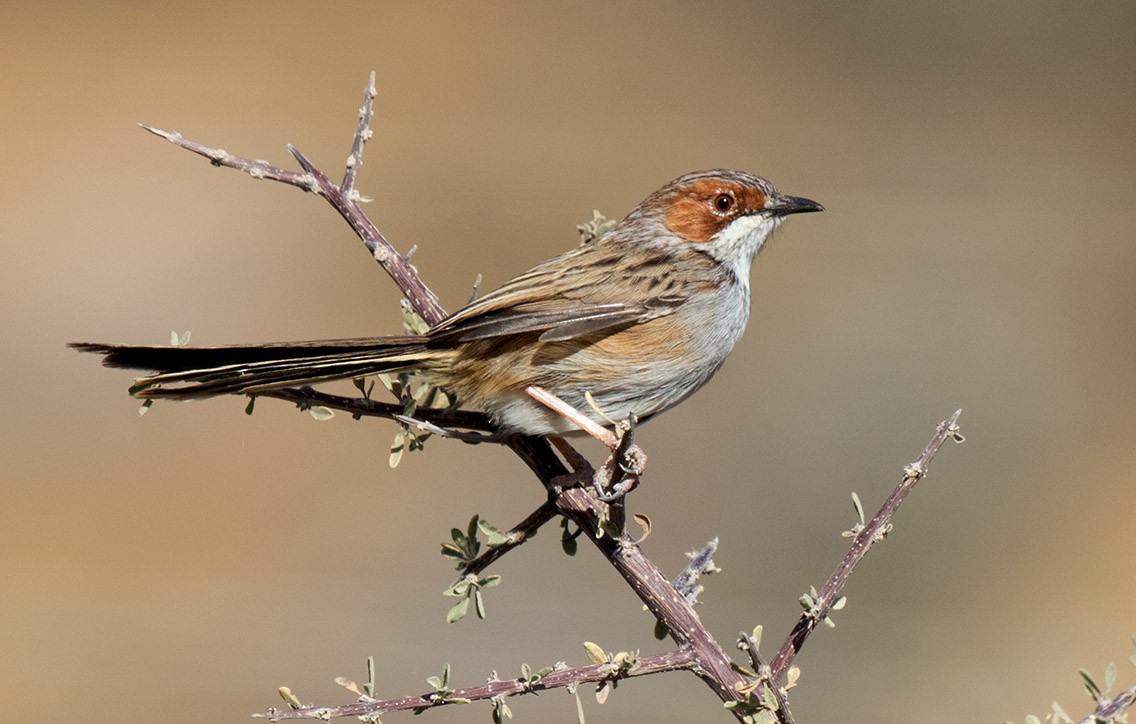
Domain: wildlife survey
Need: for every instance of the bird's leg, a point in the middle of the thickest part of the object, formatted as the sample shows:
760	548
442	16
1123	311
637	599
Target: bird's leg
577	418
621	473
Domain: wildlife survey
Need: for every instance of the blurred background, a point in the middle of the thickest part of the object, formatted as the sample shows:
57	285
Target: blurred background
976	160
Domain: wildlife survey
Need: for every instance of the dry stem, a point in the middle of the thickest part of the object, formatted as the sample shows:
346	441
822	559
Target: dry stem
697	650
874	531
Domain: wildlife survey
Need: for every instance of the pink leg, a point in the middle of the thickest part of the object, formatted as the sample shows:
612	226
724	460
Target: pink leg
554	403
622	470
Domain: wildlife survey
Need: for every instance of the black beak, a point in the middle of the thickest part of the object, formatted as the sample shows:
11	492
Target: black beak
793	205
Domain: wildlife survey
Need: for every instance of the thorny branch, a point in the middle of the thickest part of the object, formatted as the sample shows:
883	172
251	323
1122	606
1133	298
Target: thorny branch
697	650
557	679
1113	709
306	398
518	534
344	198
761	668
874	531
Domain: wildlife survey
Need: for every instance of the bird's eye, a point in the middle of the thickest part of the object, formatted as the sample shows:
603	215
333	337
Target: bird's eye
723	202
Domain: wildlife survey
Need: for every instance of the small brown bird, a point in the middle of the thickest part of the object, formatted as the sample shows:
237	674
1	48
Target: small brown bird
641	318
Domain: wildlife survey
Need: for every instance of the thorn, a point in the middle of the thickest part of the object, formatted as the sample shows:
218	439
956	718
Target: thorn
476	287
171	136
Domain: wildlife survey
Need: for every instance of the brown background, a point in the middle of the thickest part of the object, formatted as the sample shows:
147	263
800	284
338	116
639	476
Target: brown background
977	164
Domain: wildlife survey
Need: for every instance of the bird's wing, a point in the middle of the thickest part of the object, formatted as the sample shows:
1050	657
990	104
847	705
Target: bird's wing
568	297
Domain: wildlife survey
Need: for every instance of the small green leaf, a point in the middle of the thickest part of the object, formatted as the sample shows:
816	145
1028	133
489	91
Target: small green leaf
792	676
396	449
1059	714
289	698
1090	685
369	688
494	537
602	691
500	711
320	412
742	670
145	407
595	653
458	611
471	529
411	320
478	604
612	530
434	682
489	581
452	551
568	537
756	635
579	706
769	700
1031	719
1109	678
839	603
460	588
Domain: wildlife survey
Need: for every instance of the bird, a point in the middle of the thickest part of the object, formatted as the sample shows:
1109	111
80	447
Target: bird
637	319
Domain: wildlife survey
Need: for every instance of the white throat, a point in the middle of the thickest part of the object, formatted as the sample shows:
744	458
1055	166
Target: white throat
737	244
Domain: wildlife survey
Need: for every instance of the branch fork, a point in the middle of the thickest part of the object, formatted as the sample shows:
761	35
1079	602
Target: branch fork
586	506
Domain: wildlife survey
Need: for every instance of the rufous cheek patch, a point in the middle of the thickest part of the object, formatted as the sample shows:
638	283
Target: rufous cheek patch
692	219
691	213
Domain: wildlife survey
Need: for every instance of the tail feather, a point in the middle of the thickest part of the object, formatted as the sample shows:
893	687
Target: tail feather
194	372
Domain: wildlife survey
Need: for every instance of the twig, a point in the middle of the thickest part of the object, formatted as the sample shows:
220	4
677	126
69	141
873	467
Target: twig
520	533
761	668
343	198
1112	709
701	562
557	679
362	135
660	597
875	530
306	398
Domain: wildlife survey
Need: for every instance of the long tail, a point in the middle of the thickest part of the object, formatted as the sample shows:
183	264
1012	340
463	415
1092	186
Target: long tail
192	372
